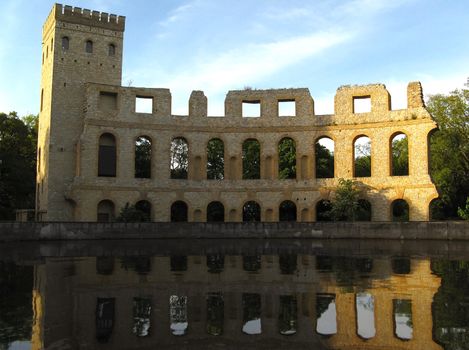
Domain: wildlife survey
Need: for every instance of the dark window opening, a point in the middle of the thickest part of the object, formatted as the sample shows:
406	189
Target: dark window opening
215	263
215	212
104	319
178	263
143	157
179	212
323	210
400	155
112	50
215	313
107	156
288	315
287	211
252	313
400	210
251	212
106	211
65	43
251	263
89	46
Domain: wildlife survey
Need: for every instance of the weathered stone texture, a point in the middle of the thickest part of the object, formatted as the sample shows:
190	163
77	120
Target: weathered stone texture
76	113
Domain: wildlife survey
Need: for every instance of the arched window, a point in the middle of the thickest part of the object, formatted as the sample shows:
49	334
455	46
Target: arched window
362	157
89	46
323	210
112	50
179	158
287	211
179	212
65	43
178	314
251	212
437	210
107	155
251	159
400	155
215	212
286	159
364	210
215	313
400	210
324	155
326	314
144	207
106	211
402	310
143	157
252	313
215	159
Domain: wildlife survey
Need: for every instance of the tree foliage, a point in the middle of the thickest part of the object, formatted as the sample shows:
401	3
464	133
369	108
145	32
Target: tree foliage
464	212
130	213
347	205
449	150
18	139
179	158
400	157
251	159
362	159
286	159
215	159
143	157
324	162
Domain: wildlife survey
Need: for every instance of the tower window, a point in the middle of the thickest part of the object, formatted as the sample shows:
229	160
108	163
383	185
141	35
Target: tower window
112	50
89	46
65	43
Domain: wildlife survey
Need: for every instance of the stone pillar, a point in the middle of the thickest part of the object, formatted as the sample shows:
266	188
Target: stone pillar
197	104
414	95
380	155
125	157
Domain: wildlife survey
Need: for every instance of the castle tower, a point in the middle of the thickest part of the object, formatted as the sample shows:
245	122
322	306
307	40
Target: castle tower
79	46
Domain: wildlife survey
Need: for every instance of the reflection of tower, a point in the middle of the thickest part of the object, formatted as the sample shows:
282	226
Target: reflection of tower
417	287
79	46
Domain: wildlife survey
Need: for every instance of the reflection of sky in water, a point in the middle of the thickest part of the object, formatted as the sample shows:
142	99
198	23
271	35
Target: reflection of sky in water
20	345
327	323
403	328
252	326
365	315
179	328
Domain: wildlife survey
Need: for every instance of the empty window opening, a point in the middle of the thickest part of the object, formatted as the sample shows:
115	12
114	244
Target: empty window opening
251	109
107	101
326	314
215	263
362	104
112	50
141	317
251	159
143	211
365	308
288	264
143	157
107	155
436	209
252	313
215	159
104	319
324	155
364	211
215	313
178	315
400	265
104	265
179	158
51	44
287	211
288	315
179	212
178	263
287	159
251	212
362	157
215	212
286	108
65	43
400	155
251	263
42	100
403	326
89	46
144	104
400	210
106	211
323	210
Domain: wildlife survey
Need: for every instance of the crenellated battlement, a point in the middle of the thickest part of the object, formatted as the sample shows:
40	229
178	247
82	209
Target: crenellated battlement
81	16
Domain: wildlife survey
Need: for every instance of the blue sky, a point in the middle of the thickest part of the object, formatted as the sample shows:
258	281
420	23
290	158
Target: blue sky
218	45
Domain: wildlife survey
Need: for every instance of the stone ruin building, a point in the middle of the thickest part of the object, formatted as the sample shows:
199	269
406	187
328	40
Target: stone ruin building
91	128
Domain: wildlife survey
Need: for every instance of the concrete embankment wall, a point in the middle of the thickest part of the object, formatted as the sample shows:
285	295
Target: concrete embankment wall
448	230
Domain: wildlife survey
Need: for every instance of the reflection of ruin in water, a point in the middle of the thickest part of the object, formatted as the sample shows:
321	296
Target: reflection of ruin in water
263	301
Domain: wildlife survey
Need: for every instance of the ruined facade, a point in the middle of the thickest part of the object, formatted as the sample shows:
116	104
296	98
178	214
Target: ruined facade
90	127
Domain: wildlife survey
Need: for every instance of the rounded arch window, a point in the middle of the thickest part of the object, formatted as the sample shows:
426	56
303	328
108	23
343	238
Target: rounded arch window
89	46
112	50
65	43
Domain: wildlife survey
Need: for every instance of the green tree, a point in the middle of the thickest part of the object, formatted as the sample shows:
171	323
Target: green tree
130	213
324	162
464	212
143	157
179	158
449	150
347	205
18	139
400	157
215	159
286	159
251	159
